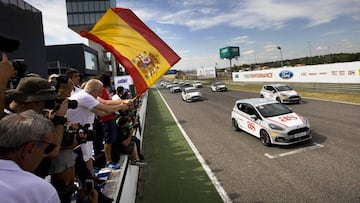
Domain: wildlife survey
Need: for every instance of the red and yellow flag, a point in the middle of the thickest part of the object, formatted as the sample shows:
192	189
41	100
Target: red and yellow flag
135	46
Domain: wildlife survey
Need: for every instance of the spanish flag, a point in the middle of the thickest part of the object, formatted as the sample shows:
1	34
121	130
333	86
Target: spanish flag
135	46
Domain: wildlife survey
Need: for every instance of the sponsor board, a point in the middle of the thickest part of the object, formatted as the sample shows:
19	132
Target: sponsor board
325	73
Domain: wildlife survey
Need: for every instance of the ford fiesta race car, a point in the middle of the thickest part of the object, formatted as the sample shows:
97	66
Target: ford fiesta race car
280	92
271	121
190	94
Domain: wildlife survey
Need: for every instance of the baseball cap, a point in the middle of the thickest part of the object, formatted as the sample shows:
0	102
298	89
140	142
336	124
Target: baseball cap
32	89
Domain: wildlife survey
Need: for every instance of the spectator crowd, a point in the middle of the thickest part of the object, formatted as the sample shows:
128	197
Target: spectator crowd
56	132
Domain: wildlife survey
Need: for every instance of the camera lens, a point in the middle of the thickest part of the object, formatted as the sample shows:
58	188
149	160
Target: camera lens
72	104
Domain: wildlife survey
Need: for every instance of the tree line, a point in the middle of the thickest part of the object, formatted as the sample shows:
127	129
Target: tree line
315	60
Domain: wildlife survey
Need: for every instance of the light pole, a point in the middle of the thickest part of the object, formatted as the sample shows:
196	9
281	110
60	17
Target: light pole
310	52
281	62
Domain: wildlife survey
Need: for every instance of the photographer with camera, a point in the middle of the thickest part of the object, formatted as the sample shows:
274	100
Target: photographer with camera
63	166
29	93
90	105
125	143
33	93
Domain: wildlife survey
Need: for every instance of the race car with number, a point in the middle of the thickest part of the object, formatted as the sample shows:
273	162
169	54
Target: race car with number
270	121
281	93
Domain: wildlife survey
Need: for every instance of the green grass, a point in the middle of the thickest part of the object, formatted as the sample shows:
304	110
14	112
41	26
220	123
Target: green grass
173	173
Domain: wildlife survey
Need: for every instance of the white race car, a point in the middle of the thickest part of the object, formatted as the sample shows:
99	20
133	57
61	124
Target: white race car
191	94
218	87
175	89
197	84
280	92
271	121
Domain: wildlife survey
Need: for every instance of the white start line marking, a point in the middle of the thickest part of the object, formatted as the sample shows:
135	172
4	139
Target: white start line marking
315	146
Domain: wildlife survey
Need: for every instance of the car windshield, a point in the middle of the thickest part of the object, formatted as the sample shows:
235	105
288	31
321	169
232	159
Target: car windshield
219	83
283	88
191	90
273	109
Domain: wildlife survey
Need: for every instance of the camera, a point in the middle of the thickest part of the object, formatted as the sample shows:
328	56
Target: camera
72	104
56	81
20	67
51	104
71	132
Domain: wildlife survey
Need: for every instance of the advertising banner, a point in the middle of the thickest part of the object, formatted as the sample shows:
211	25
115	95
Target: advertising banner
124	81
326	73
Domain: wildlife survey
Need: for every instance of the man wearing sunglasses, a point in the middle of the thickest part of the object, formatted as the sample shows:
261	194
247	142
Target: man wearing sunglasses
25	138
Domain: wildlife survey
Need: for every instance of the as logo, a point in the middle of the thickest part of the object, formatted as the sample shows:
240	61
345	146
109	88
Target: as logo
286	74
287	118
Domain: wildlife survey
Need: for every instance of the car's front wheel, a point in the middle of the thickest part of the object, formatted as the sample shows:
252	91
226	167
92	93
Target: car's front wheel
235	125
265	138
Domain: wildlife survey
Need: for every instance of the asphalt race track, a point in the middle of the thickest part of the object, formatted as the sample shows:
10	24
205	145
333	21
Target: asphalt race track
327	169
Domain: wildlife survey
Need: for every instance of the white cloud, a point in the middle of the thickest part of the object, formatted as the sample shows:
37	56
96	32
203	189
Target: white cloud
270	47
335	32
55	23
249	52
322	48
261	14
241	40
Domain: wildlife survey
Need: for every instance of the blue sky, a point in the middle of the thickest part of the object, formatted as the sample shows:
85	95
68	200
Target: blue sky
197	29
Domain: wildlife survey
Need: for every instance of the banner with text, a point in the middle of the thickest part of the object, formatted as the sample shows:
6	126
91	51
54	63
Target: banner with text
326	73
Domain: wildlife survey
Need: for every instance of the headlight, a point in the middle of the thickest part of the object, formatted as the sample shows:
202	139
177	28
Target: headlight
306	121
275	127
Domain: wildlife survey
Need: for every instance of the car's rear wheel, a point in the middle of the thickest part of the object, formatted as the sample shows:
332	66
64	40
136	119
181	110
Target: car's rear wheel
235	125
265	138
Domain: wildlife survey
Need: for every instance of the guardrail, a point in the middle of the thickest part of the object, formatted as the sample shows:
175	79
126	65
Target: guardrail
122	184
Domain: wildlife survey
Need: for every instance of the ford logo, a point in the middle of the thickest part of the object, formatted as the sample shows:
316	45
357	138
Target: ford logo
286	74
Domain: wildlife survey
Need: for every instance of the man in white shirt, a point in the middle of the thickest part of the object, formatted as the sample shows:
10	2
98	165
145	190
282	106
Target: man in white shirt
88	105
21	153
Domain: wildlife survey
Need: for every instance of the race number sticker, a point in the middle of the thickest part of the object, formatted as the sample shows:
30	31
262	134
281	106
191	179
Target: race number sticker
251	125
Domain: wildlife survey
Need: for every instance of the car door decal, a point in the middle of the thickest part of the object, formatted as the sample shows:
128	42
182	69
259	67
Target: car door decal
251	125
